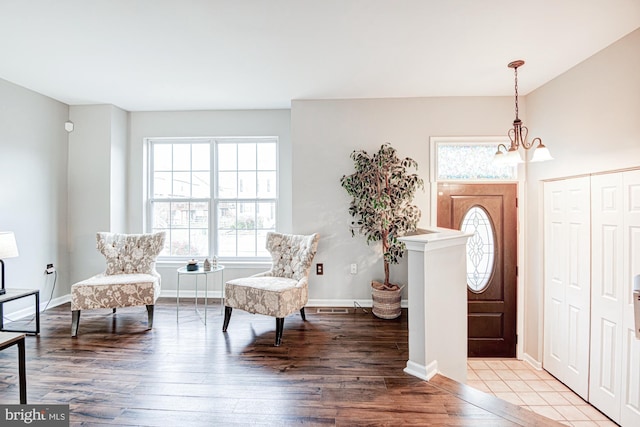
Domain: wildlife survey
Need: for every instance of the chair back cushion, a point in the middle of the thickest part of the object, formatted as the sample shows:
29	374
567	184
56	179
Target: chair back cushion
130	253
291	254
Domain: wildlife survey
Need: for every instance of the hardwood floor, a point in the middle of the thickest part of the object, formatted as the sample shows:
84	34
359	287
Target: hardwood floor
333	369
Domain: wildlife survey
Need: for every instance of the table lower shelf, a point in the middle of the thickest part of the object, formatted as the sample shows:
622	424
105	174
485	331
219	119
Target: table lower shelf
13	295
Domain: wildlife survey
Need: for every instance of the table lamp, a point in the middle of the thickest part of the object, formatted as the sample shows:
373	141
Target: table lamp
8	249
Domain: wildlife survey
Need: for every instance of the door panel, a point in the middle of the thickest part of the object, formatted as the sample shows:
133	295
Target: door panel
555	261
606	332
492	309
630	393
567	278
615	352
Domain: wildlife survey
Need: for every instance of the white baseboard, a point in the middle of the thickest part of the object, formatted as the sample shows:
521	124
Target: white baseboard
421	371
190	293
532	361
338	303
56	302
346	303
29	310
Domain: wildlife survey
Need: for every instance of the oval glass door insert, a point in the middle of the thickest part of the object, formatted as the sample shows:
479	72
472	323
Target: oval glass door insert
480	248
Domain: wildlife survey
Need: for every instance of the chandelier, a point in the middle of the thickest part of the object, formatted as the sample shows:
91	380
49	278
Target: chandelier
518	136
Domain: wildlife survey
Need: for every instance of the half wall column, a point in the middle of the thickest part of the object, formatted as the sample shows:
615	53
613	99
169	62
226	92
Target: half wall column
437	294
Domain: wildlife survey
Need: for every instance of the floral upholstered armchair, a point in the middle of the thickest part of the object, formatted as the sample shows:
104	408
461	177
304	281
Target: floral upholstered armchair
280	291
130	278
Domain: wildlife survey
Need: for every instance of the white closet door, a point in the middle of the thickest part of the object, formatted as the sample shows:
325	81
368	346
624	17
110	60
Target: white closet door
567	282
630	393
615	352
554	277
607	293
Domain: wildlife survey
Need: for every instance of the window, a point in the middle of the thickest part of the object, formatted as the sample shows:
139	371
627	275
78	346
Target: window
469	159
213	196
246	197
480	248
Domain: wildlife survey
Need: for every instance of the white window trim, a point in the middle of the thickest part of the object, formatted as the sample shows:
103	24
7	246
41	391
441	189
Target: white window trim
229	264
235	262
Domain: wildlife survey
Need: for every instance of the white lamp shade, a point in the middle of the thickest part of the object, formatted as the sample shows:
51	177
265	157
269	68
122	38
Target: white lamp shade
513	157
499	158
541	154
8	247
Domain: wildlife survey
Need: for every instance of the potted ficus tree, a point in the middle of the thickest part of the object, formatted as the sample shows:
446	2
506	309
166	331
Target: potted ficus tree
382	190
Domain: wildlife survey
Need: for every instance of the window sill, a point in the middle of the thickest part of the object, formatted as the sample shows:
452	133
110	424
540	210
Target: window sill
243	264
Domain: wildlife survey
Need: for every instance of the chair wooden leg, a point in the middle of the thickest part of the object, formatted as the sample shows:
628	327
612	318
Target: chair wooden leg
227	317
149	315
75	322
279	329
304	318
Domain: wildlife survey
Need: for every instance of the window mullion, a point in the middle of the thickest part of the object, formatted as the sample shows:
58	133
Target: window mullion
213	193
255	205
237	169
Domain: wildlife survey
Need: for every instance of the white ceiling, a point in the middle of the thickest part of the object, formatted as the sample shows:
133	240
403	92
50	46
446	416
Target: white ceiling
148	55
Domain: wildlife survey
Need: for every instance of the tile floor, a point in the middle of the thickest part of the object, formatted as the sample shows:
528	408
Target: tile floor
519	383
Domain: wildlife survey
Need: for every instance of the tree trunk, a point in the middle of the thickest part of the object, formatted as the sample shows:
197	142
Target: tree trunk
386	274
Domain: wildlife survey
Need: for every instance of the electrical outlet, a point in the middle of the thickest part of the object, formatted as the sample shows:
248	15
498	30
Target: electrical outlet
354	268
319	269
50	269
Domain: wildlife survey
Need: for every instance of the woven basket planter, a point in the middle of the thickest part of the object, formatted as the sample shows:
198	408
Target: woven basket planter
386	303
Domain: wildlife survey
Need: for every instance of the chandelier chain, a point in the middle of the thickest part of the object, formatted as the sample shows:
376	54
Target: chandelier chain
516	88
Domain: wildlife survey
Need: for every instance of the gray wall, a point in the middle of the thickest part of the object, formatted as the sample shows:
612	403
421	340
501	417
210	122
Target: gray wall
97	190
33	199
